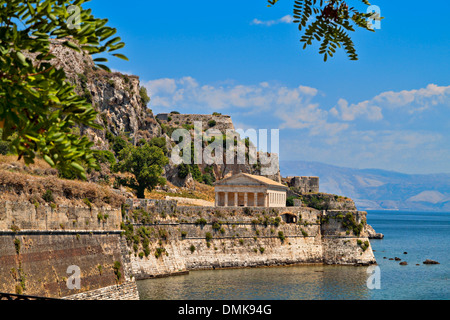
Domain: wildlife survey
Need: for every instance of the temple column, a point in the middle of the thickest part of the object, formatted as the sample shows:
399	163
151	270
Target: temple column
245	199
217	199
255	199
235	199
226	199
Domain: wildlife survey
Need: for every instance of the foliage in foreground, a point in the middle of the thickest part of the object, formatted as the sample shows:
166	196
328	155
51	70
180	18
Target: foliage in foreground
38	107
329	23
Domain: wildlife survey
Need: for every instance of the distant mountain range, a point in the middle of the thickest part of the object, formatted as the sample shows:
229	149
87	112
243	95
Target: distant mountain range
374	189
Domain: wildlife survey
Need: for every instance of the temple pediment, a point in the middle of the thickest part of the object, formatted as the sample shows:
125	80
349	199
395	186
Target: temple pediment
244	179
249	190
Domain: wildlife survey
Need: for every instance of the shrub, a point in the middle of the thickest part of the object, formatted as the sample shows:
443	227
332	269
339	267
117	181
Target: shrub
261	249
87	202
159	142
4	147
277	221
208	179
201	222
116	268
216	225
118	144
159	252
48	196
183	170
145	99
212	123
208	236
281	236
349	222
105	156
290	201
192	248
17	245
163	234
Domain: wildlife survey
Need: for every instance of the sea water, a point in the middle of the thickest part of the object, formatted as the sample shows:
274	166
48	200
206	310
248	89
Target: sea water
411	236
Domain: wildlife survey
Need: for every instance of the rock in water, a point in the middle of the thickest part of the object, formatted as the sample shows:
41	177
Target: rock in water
373	234
428	261
403	263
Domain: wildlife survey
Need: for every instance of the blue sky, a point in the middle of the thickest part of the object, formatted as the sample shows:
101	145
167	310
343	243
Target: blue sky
389	110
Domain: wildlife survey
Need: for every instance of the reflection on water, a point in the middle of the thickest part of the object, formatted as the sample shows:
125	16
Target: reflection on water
283	283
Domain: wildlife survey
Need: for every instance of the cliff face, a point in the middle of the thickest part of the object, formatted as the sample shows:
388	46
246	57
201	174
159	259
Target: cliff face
121	104
117	97
218	125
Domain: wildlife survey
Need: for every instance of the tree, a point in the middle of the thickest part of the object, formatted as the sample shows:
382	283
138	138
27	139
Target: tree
38	107
330	26
146	164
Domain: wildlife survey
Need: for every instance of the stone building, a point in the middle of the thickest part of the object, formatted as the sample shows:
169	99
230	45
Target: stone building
246	190
303	184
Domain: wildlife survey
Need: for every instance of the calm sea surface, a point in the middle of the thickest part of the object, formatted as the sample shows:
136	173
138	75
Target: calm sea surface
422	235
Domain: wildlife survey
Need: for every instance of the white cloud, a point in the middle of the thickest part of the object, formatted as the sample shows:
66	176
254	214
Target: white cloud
186	93
268	23
410	101
347	112
415	100
316	133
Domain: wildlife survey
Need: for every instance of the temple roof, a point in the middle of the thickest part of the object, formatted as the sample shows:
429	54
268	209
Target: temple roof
260	179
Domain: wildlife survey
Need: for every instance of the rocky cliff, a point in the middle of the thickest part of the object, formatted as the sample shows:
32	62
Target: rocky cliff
122	106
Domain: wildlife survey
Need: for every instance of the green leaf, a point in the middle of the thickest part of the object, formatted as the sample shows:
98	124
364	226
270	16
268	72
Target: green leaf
22	58
77	167
71	45
121	56
101	66
49	160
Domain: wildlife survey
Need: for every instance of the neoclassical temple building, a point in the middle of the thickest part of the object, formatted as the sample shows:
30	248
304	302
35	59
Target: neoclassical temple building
246	190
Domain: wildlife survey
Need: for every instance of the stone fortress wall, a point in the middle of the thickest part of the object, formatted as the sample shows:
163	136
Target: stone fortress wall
38	244
198	238
303	184
221	122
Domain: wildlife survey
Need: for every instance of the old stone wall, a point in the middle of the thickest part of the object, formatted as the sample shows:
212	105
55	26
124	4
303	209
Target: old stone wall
346	238
39	244
219	122
303	184
197	238
27	216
